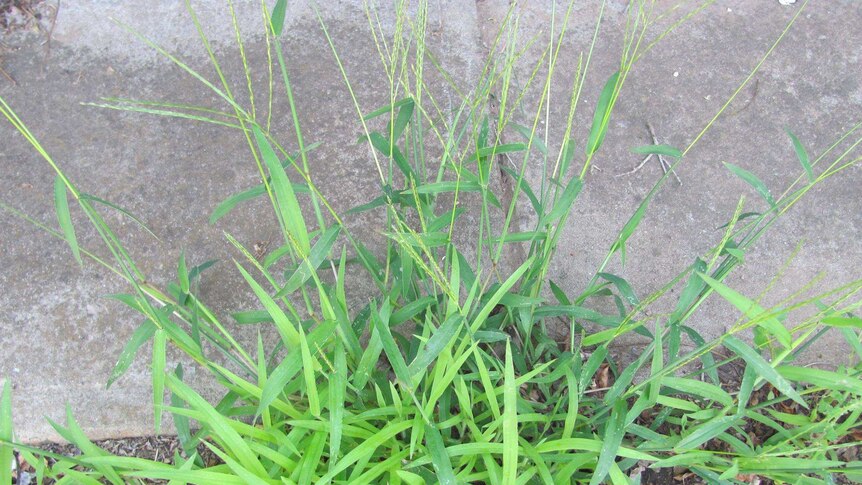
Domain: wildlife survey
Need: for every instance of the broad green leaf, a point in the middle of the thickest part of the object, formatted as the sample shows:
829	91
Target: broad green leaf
611	441
219	425
842	322
591	366
602	115
309	265
121	210
802	155
228	204
752	310
396	359
491	151
183	273
704	432
286	328
277	17
501	291
438	341
197	270
564	203
368	446
309	367
658	150
699	388
381	144
337	389
140	335
288	206
6	455
181	422
411	309
623	287
252	316
763	369
439	458
389	108
158	370
405	113
61	204
292	363
510	420
822	378
435	188
752	180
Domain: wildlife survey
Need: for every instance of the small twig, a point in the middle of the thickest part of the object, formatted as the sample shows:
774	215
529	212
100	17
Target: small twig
750	99
665	165
9	77
51	31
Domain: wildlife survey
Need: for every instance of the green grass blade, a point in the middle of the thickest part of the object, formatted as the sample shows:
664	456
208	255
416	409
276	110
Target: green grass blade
6	455
277	17
564	204
802	155
309	367
705	432
439	457
822	378
396	359
183	273
699	388
61	204
140	335
763	369
309	265
499	294
366	448
292	363
510	421
158	370
752	310
602	115
338	386
405	113
288	206
658	150
623	287
438	341
753	181
286	329
611	441
120	210
219	425
227	205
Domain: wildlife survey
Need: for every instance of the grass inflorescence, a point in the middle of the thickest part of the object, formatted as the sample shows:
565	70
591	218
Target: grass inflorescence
450	373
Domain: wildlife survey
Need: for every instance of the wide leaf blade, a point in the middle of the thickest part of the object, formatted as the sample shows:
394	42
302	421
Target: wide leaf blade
602	115
61	204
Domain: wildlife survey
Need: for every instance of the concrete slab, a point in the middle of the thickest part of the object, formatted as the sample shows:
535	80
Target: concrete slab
811	84
60	338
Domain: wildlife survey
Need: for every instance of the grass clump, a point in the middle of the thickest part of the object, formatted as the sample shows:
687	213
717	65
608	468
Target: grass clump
450	372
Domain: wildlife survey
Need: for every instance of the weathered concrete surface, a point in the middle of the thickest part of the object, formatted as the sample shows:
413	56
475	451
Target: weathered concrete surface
811	84
59	339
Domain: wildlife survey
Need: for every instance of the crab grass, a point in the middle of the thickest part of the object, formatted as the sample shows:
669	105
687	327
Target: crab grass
475	390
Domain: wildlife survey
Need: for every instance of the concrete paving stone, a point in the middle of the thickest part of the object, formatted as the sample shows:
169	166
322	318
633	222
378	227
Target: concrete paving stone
60	336
811	84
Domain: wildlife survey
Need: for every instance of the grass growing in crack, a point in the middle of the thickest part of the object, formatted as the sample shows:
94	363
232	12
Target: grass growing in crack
475	390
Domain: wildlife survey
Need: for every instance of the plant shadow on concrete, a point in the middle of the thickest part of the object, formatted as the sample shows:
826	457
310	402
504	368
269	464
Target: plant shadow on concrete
451	373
